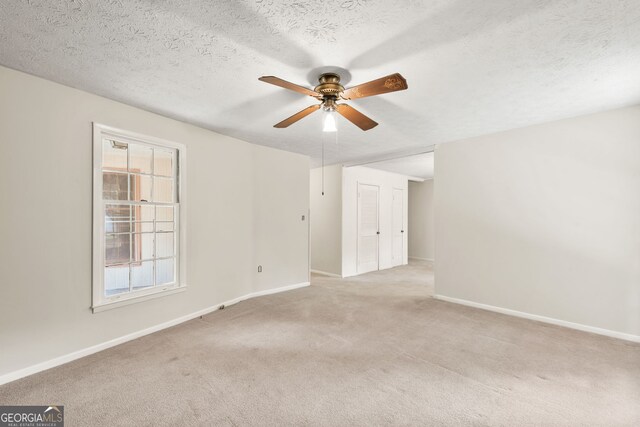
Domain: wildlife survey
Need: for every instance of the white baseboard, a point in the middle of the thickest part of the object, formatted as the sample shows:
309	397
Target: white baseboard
61	360
326	273
275	290
421	259
566	324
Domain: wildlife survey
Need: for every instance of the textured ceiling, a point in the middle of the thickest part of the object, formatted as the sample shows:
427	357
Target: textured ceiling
473	67
416	166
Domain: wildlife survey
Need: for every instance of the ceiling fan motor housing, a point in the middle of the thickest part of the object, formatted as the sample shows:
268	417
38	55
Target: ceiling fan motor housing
329	86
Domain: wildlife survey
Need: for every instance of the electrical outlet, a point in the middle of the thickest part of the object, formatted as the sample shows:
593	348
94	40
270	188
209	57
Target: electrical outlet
259	269
303	217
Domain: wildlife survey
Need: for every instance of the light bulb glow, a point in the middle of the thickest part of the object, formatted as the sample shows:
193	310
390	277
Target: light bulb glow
329	124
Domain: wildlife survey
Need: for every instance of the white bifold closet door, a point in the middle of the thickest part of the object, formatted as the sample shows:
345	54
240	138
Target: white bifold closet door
397	231
368	231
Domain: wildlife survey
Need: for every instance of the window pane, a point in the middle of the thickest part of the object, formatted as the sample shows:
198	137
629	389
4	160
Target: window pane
117	227
165	271
140	187
164	213
143	212
116	218
140	157
114	155
143	227
163	162
116	279
142	246
141	275
114	186
117	248
117	212
162	189
164	245
164	226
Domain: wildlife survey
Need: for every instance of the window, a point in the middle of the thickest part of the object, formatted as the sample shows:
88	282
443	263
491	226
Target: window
139	198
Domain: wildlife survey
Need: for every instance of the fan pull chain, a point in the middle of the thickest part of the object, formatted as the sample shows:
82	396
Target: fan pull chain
323	166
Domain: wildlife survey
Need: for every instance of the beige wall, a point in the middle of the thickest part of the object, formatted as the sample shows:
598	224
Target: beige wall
326	219
240	213
545	220
421	226
280	199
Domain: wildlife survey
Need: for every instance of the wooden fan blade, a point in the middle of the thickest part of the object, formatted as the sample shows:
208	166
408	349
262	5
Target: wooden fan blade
355	117
390	83
297	116
288	85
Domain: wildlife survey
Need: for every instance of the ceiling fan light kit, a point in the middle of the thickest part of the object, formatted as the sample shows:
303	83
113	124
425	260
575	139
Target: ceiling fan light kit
329	122
329	90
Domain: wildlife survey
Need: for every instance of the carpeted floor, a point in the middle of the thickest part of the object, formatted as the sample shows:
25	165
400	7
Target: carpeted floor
371	350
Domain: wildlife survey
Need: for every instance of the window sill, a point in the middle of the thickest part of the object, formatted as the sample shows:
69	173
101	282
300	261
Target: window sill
138	298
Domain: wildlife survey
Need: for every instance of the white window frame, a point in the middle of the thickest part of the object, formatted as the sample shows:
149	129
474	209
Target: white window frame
100	301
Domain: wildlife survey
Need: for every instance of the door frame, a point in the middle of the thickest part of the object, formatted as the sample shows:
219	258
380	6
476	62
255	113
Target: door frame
403	233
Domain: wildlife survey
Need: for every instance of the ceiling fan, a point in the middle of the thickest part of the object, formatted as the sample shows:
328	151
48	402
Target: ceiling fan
330	90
